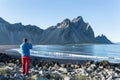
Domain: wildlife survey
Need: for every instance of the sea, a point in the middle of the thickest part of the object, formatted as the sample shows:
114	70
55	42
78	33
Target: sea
96	52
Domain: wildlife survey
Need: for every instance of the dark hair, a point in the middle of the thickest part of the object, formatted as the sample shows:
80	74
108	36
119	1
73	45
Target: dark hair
25	40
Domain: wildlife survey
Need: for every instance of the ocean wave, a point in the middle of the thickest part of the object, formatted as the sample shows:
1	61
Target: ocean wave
64	55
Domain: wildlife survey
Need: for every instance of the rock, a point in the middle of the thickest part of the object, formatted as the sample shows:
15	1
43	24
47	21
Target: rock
67	78
88	63
41	72
62	70
76	66
102	77
96	78
117	70
40	78
56	66
47	75
104	63
109	72
7	76
100	67
18	76
2	77
69	69
52	68
56	72
4	58
34	77
72	66
116	75
89	70
104	73
81	71
56	76
109	78
111	67
63	65
1	64
11	64
17	61
93	66
9	68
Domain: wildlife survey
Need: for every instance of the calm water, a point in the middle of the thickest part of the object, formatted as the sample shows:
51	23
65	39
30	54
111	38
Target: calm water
77	52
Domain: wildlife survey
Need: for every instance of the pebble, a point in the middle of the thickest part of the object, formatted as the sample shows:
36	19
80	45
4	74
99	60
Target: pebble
62	70
1	64
56	71
67	78
8	67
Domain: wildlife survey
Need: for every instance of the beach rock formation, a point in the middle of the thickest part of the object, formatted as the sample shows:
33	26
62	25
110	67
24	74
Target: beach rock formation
74	31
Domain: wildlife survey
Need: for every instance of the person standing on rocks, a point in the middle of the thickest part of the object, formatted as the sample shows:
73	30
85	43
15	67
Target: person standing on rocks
25	48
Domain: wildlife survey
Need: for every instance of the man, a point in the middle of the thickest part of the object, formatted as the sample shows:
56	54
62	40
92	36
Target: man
25	48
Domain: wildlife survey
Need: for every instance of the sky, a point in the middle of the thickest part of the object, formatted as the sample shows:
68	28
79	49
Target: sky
102	15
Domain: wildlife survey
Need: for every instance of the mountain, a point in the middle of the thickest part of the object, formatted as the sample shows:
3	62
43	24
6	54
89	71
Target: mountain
14	33
69	32
117	43
74	31
103	39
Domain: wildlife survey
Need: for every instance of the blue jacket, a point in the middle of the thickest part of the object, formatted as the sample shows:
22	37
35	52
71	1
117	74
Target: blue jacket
25	48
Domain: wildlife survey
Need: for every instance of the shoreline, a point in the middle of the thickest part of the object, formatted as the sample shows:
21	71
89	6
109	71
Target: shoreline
18	56
47	59
10	68
15	54
42	68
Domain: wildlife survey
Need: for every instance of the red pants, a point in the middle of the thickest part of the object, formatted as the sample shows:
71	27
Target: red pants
25	64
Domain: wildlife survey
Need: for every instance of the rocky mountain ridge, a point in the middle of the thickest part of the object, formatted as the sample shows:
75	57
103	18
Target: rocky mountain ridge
74	31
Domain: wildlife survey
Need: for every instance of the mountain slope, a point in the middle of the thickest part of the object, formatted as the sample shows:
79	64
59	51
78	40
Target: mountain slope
70	32
14	33
66	32
103	39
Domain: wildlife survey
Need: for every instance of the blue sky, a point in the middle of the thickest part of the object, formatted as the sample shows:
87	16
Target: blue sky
102	15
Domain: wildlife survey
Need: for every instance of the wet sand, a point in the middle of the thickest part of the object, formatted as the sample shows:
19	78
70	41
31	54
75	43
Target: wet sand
3	48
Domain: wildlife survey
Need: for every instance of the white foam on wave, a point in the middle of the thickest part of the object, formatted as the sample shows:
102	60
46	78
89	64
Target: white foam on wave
61	55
